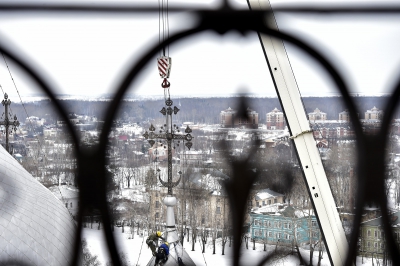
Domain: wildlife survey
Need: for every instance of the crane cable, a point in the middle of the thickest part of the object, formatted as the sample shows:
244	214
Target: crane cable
164	61
163	25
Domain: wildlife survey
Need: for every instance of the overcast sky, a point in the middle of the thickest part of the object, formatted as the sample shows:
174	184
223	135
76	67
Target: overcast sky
87	55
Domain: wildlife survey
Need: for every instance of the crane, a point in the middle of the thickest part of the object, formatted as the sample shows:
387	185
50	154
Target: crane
301	134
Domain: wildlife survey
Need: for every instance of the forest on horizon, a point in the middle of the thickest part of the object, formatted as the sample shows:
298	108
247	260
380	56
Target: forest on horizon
197	110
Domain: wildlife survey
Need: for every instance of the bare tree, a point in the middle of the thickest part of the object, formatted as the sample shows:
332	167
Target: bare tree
88	259
246	238
224	239
151	179
194	236
340	173
204	233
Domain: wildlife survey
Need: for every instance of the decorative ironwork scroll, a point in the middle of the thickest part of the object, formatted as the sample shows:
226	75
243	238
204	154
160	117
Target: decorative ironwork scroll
91	162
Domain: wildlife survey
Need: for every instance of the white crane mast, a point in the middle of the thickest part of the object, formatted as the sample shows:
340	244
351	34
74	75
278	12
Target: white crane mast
310	160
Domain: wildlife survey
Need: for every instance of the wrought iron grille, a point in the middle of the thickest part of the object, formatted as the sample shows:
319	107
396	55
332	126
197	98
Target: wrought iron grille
91	162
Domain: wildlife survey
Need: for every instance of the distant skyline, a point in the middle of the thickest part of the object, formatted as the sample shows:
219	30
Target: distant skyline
87	55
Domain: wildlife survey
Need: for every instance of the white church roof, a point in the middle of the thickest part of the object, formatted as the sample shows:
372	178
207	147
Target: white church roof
35	227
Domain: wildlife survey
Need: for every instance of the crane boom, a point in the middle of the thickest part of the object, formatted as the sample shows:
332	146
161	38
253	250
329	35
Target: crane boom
310	160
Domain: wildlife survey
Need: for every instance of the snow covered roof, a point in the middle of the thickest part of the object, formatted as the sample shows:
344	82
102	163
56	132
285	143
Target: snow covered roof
374	110
281	209
304	212
394	219
229	110
64	192
266	194
233	111
35	226
276	110
273	208
192	152
316	111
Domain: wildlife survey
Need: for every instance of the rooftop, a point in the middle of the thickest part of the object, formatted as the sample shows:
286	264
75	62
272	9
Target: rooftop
266	194
394	219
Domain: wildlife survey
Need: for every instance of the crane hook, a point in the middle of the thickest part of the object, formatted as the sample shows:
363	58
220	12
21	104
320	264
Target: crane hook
165	84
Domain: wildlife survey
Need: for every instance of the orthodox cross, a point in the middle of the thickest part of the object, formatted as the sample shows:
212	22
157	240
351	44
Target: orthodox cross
169	133
7	122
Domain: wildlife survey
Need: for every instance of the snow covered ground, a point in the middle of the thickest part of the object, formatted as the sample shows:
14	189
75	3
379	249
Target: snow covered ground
138	254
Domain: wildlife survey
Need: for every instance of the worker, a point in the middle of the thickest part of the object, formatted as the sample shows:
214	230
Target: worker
152	241
162	254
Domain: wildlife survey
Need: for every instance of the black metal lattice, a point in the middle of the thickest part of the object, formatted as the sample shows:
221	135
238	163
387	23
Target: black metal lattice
91	162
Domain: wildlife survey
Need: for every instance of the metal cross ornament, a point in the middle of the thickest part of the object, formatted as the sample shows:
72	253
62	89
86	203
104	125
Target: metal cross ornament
169	132
7	122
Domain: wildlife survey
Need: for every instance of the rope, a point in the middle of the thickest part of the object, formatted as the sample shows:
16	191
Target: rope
203	254
301	133
177	254
23	105
140	252
2	89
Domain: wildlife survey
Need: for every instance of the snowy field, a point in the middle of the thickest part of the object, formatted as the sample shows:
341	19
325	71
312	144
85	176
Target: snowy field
138	254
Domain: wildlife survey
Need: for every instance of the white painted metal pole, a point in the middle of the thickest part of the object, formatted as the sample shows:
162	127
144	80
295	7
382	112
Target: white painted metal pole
171	234
310	160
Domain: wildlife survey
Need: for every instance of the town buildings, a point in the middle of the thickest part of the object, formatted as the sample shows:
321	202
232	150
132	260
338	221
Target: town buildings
275	120
344	116
374	114
229	119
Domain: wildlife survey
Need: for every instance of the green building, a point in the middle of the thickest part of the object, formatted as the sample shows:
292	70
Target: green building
372	240
283	224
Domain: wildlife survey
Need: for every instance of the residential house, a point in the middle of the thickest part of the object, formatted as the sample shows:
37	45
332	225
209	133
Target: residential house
283	225
35	121
69	196
266	197
372	236
193	157
159	152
